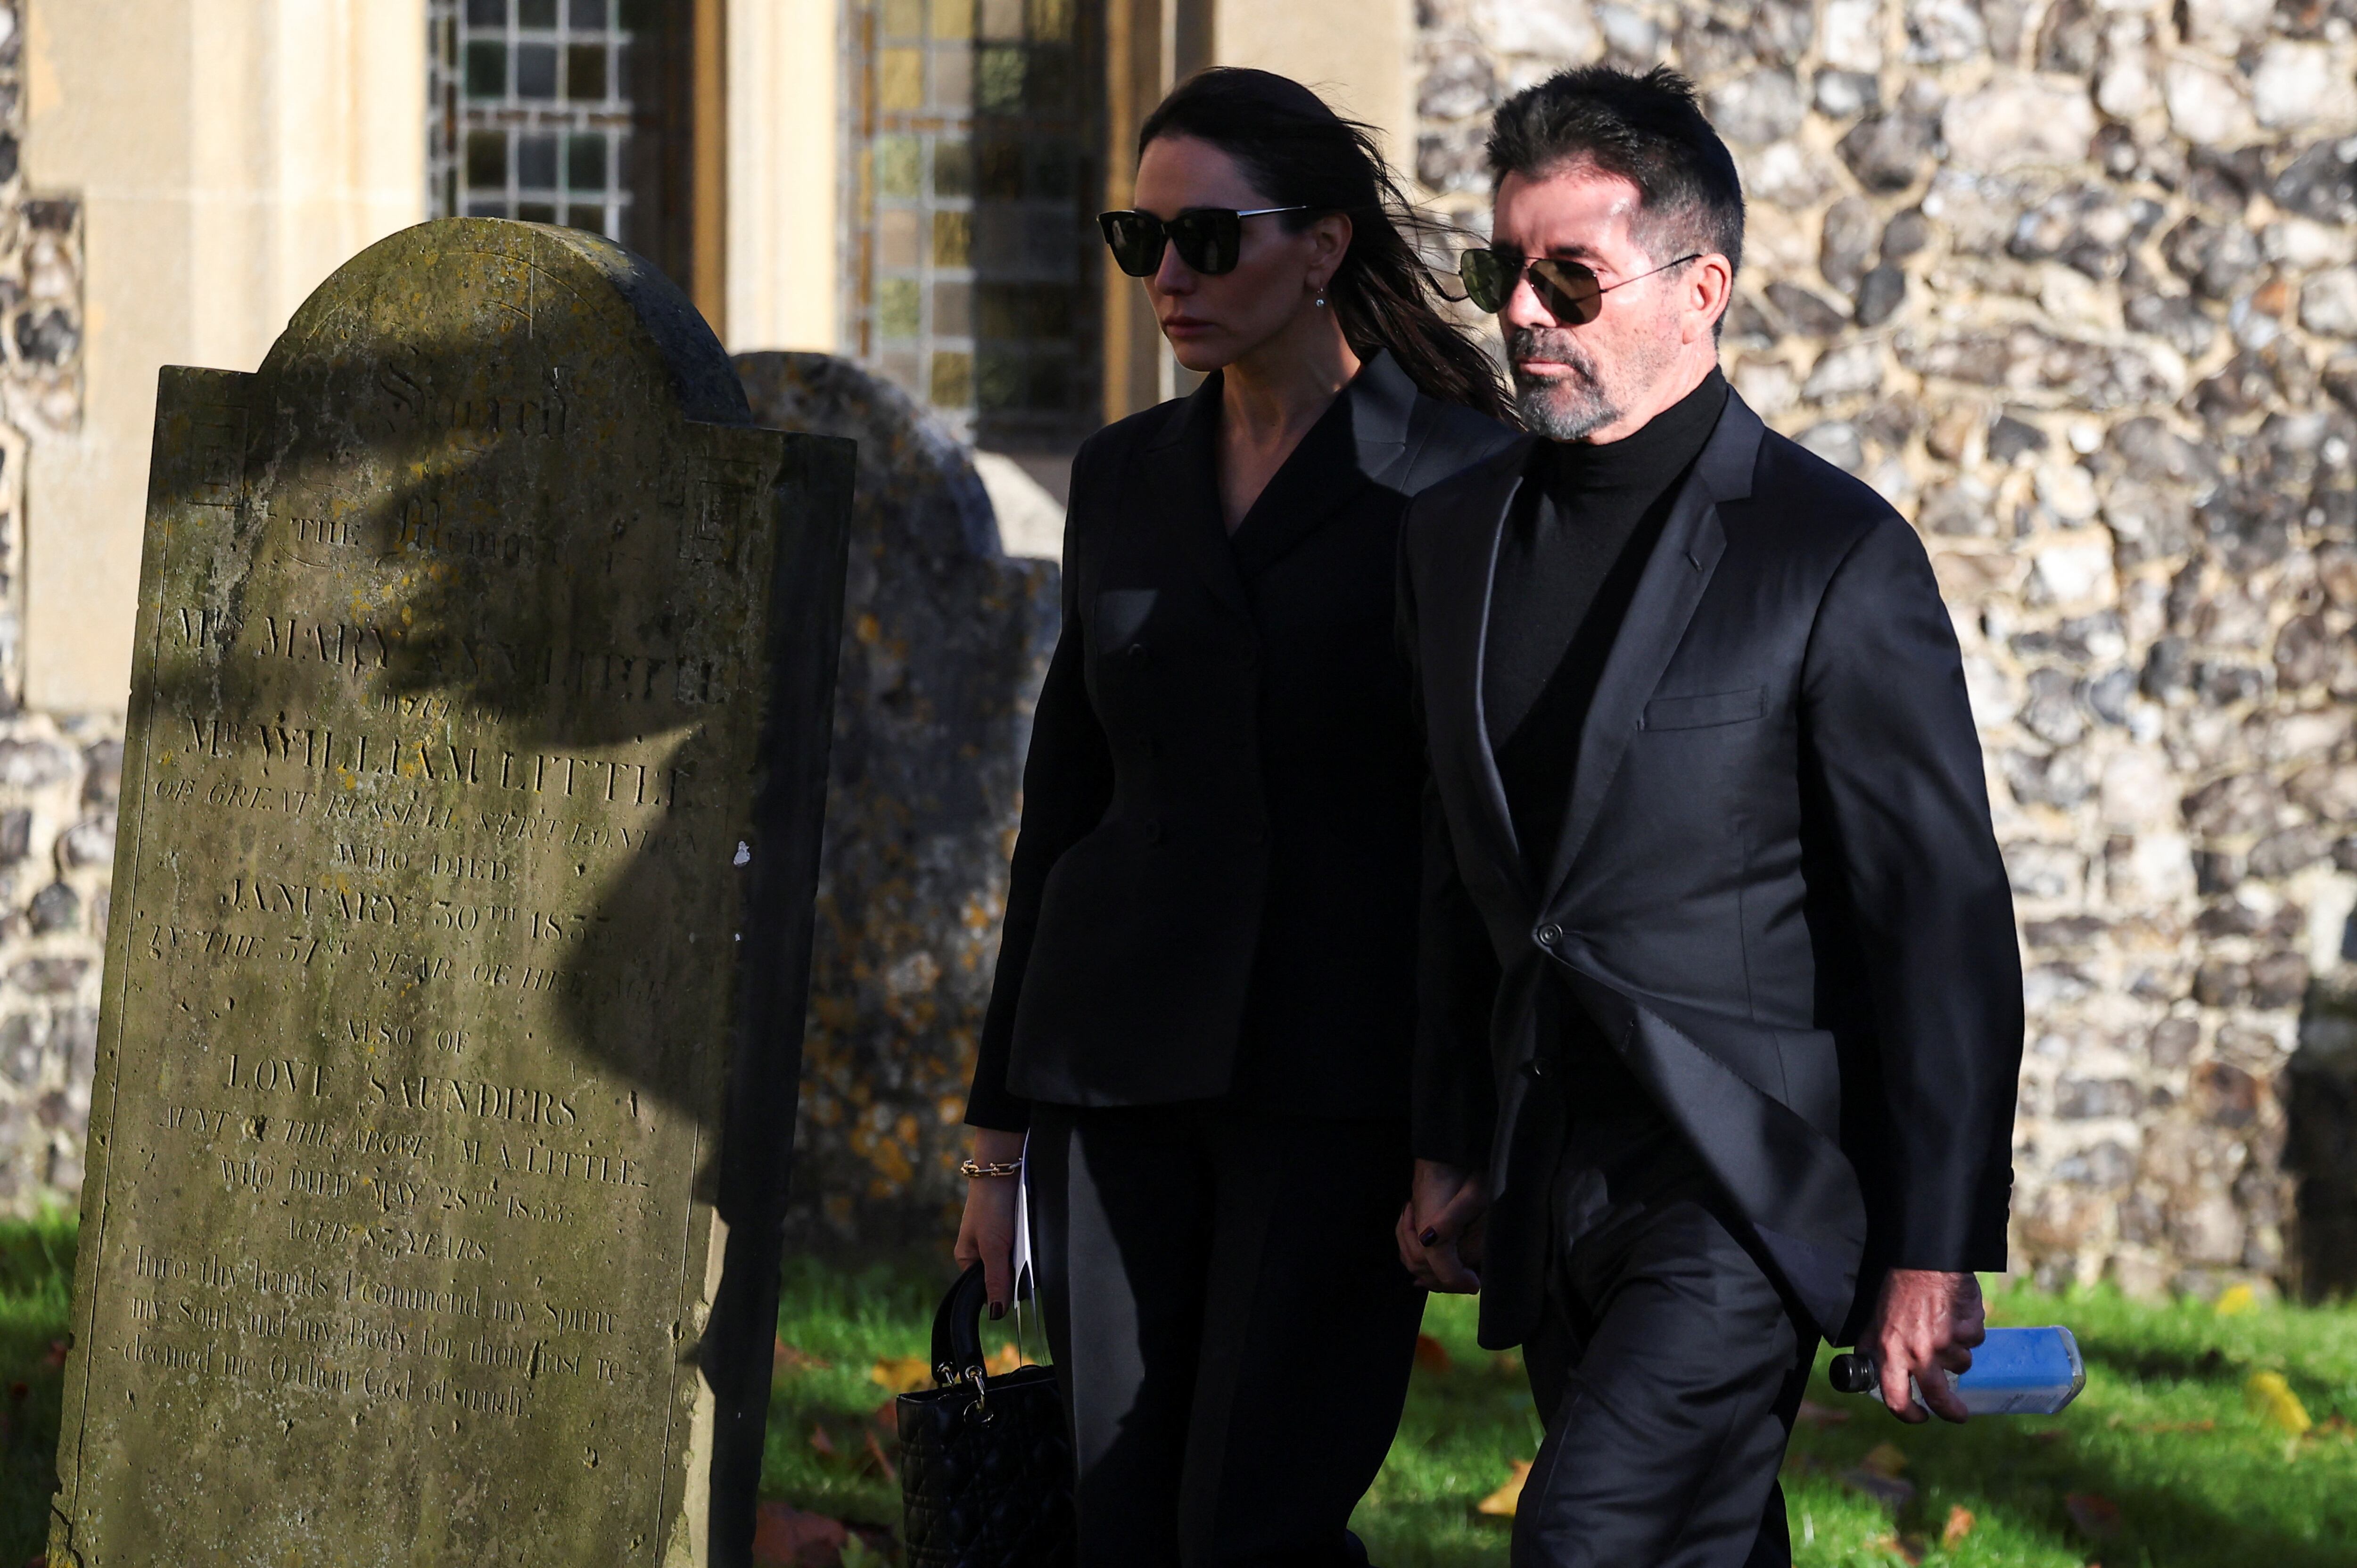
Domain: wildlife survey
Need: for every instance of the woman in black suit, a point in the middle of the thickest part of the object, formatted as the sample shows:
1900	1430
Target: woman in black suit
1205	1000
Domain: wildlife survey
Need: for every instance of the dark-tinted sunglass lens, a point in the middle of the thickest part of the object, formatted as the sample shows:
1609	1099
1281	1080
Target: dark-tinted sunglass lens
1208	242
1568	291
1135	241
1484	276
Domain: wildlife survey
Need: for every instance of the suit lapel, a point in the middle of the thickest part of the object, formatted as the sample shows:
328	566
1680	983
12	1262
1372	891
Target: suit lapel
1360	440
1181	481
1455	637
1668	591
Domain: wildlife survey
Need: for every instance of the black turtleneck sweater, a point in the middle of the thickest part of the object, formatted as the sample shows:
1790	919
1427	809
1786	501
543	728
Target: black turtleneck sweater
1578	539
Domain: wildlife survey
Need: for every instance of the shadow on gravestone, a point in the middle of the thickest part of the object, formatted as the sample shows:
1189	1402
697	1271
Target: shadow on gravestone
472	801
945	643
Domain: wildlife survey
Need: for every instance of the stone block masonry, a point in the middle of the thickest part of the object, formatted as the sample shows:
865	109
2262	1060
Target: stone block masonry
2074	283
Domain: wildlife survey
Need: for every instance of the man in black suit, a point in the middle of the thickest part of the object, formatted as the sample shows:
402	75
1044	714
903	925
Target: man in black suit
1721	1001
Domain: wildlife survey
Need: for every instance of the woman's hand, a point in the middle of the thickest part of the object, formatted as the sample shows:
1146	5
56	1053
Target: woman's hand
987	1232
1440	1230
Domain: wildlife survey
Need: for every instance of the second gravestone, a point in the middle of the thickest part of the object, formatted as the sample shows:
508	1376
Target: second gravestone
455	979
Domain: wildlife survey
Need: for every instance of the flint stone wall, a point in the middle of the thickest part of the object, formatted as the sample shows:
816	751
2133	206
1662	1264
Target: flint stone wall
57	772
2074	283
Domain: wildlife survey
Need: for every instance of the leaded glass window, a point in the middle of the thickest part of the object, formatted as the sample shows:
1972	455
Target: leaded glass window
557	111
971	267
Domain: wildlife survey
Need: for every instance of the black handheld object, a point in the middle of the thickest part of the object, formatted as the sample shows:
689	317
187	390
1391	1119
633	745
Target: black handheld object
1850	1373
985	1460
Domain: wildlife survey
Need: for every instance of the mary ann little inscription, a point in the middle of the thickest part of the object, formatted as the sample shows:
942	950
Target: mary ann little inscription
457	764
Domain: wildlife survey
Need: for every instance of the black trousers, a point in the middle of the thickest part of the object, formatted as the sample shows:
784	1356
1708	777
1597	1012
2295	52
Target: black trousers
1668	1372
1233	1329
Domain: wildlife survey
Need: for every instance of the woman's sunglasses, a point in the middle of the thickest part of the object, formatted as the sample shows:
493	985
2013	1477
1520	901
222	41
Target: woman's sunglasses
1210	239
1568	290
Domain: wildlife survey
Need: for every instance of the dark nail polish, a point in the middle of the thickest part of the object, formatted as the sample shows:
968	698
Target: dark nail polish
997	1310
1429	1236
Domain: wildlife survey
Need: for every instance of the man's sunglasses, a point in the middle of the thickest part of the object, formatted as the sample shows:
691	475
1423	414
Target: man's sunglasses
1210	239
1568	290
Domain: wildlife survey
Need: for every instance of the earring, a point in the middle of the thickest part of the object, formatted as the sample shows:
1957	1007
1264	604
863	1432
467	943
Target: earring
1320	301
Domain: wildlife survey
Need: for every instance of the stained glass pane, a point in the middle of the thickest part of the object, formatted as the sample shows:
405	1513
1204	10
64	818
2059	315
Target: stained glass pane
585	161
535	70
585	73
487	70
536	162
536	13
899	310
487	159
586	15
486	13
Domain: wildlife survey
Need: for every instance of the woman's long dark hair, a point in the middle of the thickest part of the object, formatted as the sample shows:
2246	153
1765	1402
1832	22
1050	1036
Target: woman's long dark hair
1300	153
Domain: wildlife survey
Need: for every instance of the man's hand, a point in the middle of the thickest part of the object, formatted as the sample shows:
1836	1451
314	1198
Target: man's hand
987	1232
1440	1229
1925	1325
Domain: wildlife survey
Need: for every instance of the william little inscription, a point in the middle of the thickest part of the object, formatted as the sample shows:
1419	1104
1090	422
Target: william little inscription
470	807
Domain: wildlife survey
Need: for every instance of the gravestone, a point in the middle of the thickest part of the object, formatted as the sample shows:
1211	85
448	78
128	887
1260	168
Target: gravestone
946	639
470	806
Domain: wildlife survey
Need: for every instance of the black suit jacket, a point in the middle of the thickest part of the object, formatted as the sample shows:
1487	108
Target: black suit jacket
1777	893
1215	887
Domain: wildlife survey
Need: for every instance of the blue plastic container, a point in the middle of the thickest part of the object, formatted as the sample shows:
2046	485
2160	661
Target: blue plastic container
2016	1371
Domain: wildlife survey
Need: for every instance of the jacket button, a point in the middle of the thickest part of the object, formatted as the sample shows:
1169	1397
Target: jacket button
1538	1067
1549	934
1137	652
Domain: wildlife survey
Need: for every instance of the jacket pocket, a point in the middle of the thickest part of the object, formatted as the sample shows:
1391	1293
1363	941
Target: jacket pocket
1711	708
1121	615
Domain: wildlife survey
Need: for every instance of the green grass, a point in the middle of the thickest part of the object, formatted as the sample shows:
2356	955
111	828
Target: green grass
36	1290
2163	1436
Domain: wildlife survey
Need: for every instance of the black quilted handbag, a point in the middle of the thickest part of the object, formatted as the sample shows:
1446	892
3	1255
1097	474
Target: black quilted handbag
985	1461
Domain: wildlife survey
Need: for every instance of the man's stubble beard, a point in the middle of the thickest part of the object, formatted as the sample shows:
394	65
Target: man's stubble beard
1572	406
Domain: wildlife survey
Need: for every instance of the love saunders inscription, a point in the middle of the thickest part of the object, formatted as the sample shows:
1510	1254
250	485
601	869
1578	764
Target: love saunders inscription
448	787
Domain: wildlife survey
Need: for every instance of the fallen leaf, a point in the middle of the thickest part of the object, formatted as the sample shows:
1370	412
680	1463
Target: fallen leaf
901	1374
1906	1550
1888	1490
1885	1459
2236	1300
883	1461
1499	1504
2096	1518
821	1442
57	1352
1432	1356
788	1538
793	1358
1960	1525
1507	1363
2335	1425
887	1417
1816	1414
2271	1400
1008	1359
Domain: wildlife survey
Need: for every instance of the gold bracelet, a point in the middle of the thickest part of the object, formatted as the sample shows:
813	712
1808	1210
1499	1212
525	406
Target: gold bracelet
970	1169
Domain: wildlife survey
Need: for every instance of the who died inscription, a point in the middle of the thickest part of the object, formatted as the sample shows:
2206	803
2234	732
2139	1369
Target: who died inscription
443	821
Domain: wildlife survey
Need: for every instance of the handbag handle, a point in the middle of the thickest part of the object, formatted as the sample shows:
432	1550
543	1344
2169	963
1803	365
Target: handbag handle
957	1330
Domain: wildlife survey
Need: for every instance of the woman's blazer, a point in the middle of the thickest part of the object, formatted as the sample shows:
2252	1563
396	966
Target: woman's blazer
1216	884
